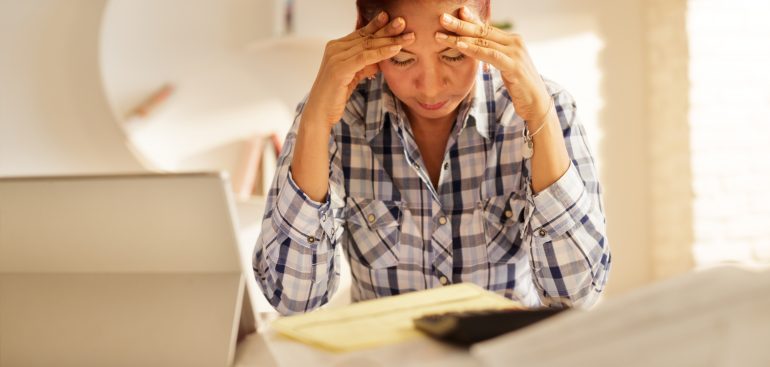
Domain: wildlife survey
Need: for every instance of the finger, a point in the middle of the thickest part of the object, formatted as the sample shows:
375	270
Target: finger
452	41
482	30
375	24
376	43
395	27
369	57
493	55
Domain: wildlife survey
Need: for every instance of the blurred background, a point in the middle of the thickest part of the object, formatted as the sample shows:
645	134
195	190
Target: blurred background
674	94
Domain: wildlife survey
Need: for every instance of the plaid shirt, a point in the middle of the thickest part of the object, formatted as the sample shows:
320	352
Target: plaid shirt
482	224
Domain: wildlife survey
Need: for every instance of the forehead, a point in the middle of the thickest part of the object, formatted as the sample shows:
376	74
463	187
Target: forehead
422	16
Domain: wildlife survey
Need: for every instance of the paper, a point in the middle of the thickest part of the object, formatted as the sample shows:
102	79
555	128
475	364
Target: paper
386	320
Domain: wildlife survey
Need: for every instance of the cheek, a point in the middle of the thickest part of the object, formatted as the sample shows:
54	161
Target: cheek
397	79
465	74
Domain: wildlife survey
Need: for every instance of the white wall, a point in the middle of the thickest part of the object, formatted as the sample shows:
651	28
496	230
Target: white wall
53	114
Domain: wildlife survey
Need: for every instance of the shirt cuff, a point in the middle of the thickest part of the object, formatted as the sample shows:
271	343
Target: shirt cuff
561	206
300	217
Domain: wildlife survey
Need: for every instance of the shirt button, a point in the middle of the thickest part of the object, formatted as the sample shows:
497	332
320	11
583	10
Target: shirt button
446	165
371	218
417	167
311	239
508	213
323	217
442	220
542	232
443	280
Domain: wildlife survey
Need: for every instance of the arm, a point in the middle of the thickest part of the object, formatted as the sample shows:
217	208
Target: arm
295	258
570	254
569	249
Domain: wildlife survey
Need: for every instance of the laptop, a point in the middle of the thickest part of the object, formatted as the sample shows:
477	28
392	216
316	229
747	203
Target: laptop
123	270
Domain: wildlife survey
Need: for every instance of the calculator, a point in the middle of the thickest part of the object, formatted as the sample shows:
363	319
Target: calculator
469	327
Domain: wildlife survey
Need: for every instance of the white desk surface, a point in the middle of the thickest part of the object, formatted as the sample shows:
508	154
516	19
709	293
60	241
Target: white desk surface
269	349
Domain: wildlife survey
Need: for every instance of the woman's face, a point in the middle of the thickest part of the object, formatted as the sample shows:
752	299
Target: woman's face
429	78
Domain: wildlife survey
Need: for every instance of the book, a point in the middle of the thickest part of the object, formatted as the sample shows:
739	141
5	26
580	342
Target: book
386	320
256	165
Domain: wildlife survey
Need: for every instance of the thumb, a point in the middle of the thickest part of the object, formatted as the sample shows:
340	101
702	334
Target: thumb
370	70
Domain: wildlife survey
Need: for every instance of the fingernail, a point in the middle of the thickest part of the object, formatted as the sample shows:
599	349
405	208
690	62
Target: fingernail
441	36
381	16
446	18
395	48
408	36
397	23
462	44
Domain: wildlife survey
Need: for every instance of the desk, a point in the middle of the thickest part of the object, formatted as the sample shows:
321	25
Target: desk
716	317
268	349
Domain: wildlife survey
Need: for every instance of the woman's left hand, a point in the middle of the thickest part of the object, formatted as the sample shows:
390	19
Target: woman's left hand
504	51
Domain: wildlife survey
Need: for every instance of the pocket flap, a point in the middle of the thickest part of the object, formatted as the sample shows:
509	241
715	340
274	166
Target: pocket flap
503	210
374	213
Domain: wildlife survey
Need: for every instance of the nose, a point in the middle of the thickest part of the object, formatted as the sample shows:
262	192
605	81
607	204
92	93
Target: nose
431	80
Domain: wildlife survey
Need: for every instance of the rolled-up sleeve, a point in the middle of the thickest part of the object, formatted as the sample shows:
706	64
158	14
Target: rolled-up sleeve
570	254
295	259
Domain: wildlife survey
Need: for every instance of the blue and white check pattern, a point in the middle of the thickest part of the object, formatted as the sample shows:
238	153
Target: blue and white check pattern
482	224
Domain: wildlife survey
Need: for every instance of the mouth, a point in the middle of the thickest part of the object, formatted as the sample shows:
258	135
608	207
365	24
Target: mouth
432	106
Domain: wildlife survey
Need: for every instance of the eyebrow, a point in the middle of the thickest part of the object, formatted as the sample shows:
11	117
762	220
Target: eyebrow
410	52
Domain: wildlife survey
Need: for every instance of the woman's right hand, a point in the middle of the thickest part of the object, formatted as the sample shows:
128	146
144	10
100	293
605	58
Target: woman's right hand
349	60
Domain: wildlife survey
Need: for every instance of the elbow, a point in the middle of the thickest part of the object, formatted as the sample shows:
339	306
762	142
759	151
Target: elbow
585	288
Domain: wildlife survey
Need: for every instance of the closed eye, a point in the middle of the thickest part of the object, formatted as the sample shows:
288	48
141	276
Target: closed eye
457	58
397	62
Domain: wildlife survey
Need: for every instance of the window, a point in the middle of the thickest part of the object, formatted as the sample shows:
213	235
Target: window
730	129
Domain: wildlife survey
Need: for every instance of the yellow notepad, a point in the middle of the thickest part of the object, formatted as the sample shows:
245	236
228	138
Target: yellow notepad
386	320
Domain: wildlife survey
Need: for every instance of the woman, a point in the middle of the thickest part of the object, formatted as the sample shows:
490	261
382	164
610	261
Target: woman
432	152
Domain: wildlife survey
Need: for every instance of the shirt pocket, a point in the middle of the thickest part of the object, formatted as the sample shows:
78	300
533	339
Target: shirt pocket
501	216
374	229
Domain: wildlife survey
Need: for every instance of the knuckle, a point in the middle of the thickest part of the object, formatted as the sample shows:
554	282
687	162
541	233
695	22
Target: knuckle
481	31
